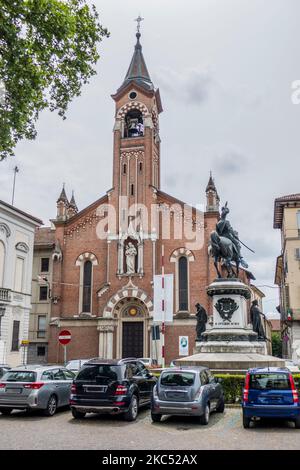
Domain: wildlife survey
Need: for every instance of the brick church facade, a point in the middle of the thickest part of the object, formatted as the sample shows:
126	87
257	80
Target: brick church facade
100	292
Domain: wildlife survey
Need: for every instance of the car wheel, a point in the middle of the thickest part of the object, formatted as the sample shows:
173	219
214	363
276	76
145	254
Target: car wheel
204	419
51	406
156	418
297	423
132	412
246	422
221	406
78	414
6	411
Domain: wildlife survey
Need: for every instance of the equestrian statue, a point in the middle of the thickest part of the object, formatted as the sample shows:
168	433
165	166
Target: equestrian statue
225	246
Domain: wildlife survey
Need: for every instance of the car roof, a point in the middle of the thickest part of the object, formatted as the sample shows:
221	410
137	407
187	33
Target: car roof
35	367
185	368
265	370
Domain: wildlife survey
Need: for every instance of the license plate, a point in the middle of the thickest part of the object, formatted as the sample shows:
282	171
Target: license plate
270	400
14	390
95	389
175	395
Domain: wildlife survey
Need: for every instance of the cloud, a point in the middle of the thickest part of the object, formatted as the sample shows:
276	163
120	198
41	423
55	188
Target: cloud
232	161
193	85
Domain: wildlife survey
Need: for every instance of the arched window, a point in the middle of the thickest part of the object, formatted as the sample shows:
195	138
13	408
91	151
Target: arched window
2	258
183	283
87	286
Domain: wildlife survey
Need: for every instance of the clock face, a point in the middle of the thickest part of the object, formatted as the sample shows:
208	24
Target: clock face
132	311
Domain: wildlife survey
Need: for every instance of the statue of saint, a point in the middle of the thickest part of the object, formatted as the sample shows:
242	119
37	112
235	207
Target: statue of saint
130	254
201	321
256	315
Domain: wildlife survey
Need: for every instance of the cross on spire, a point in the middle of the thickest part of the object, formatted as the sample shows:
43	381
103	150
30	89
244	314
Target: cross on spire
139	19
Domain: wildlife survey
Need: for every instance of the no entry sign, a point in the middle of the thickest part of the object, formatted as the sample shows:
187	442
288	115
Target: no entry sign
64	337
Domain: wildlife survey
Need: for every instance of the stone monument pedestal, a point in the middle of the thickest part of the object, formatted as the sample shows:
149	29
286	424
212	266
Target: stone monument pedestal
230	345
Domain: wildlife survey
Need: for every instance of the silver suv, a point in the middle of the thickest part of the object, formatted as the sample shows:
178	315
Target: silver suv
35	388
189	391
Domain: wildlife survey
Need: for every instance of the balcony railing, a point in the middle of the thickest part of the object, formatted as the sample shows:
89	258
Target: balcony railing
5	295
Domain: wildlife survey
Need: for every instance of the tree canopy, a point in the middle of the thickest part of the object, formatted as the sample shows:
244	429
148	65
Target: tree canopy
48	50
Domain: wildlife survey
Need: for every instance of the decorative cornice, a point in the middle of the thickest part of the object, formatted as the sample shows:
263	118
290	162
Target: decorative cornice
5	229
22	246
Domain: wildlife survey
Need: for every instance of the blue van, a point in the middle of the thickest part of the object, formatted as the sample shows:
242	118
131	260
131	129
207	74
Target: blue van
270	393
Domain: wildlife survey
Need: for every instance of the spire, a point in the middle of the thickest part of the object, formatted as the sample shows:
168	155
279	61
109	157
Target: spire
138	71
212	197
63	196
73	203
211	184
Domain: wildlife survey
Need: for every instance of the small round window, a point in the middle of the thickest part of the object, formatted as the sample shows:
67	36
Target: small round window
132	95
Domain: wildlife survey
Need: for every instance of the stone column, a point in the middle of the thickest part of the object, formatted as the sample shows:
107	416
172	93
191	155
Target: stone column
120	257
141	257
106	341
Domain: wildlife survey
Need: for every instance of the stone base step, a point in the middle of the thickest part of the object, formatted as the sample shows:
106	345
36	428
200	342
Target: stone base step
230	361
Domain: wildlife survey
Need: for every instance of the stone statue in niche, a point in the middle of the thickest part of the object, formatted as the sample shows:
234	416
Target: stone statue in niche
130	254
201	321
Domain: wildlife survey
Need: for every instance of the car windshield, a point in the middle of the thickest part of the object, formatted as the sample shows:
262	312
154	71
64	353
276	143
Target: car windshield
99	373
178	379
19	376
75	364
275	381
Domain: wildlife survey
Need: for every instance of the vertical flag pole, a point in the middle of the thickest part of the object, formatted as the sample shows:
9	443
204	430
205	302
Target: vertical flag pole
163	305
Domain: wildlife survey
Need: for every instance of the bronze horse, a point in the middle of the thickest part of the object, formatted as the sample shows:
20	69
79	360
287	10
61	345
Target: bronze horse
222	248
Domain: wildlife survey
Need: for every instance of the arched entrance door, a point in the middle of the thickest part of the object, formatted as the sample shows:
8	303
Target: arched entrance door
133	335
133	339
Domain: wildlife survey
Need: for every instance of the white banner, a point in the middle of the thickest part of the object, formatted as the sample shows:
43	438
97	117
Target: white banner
167	294
183	345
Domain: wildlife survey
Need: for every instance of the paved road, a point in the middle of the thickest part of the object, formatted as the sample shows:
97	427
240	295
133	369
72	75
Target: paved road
20	431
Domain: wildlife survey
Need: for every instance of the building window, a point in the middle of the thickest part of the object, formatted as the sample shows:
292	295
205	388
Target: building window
44	265
43	293
2	313
15	336
42	320
183	283
87	286
134	124
41	351
141	167
132	190
19	274
124	168
2	258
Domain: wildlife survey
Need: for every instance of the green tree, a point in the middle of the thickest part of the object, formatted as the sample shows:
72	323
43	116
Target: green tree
48	50
276	344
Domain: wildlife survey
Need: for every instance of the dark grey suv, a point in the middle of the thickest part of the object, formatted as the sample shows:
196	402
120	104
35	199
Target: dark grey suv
115	386
190	391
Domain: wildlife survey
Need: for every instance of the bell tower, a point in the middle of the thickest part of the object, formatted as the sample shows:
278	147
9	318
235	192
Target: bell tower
136	163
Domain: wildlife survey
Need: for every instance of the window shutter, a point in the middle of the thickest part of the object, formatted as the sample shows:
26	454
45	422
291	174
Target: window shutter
15	336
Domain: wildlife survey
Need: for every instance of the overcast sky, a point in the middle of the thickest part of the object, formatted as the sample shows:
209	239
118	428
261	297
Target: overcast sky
225	70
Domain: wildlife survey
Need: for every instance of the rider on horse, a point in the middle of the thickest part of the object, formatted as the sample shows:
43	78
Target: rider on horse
225	245
224	229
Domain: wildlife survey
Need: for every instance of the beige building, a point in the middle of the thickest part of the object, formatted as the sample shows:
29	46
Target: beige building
44	246
17	230
287	277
